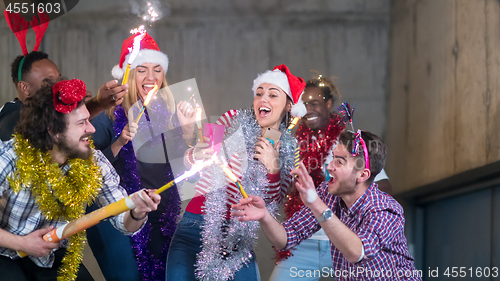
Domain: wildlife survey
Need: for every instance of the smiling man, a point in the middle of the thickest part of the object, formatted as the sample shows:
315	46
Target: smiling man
364	225
49	172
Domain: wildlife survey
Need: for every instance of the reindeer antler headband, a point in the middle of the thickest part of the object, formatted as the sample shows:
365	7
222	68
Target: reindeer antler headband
20	26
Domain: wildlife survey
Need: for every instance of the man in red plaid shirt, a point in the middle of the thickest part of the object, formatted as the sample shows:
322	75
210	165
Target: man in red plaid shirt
365	226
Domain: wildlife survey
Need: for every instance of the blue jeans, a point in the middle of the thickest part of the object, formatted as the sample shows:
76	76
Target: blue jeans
309	255
186	243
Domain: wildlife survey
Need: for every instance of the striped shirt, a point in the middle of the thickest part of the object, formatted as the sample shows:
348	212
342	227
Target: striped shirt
20	215
378	220
275	190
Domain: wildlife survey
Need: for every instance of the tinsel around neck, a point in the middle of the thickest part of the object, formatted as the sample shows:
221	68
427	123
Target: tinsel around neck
150	267
58	196
228	244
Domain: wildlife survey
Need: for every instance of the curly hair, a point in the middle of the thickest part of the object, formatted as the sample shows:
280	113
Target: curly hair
377	151
327	87
28	62
39	121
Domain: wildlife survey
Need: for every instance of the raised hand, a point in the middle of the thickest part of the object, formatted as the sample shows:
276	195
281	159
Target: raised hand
111	94
128	133
186	113
304	184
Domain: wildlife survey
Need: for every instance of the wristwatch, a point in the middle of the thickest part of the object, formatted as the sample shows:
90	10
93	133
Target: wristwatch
327	214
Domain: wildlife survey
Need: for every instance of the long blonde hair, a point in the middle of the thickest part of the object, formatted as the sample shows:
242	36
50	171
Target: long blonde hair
130	97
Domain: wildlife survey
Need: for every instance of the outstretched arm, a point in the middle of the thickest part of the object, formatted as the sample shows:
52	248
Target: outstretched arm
344	239
254	209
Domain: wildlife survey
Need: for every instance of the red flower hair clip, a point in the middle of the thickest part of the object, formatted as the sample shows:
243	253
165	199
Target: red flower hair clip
67	94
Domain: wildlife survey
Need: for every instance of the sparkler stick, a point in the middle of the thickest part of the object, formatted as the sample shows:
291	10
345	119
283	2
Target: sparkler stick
231	175
136	47
198	122
111	210
146	102
297	157
293	123
198	166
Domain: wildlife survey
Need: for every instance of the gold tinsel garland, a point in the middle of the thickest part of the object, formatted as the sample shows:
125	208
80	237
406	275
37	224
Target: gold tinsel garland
58	196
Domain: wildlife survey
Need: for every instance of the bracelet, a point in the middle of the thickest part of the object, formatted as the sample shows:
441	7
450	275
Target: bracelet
189	137
136	219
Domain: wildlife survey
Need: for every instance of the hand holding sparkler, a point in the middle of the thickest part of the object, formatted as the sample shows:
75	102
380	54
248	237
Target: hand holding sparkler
187	118
202	150
304	184
252	208
127	135
113	209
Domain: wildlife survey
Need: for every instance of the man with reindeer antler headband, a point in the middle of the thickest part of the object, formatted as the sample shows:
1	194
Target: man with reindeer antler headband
49	173
364	225
28	72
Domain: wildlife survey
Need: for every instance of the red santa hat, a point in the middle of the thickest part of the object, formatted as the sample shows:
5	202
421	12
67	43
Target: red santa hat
149	52
292	85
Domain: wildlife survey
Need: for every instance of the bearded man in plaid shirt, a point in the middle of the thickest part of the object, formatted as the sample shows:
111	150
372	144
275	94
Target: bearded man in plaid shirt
365	226
54	126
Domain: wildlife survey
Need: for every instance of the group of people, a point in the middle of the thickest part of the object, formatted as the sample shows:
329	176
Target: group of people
64	153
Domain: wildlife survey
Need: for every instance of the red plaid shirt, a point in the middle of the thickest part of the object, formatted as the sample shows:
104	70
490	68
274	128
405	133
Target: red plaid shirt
378	220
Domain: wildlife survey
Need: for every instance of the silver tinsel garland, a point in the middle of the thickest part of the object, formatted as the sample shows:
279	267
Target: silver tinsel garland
227	244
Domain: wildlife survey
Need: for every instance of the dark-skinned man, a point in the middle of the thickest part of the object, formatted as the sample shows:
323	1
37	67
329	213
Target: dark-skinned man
36	68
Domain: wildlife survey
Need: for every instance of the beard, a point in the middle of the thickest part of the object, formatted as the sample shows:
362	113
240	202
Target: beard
71	149
345	184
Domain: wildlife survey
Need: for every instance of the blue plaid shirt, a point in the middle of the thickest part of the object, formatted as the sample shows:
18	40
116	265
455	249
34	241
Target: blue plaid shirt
378	220
20	215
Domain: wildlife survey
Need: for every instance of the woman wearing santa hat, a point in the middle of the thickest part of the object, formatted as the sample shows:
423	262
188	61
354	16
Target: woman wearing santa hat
143	256
208	244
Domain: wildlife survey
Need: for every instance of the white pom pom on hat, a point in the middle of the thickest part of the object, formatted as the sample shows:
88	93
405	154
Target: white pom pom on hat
117	72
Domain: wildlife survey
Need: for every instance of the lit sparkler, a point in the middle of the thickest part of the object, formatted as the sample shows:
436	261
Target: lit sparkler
112	209
136	47
146	102
231	176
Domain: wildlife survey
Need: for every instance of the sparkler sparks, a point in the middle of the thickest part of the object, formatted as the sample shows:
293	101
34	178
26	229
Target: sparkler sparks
150	10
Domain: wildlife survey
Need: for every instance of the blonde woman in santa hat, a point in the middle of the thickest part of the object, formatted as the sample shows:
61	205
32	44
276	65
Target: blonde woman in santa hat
143	256
208	244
